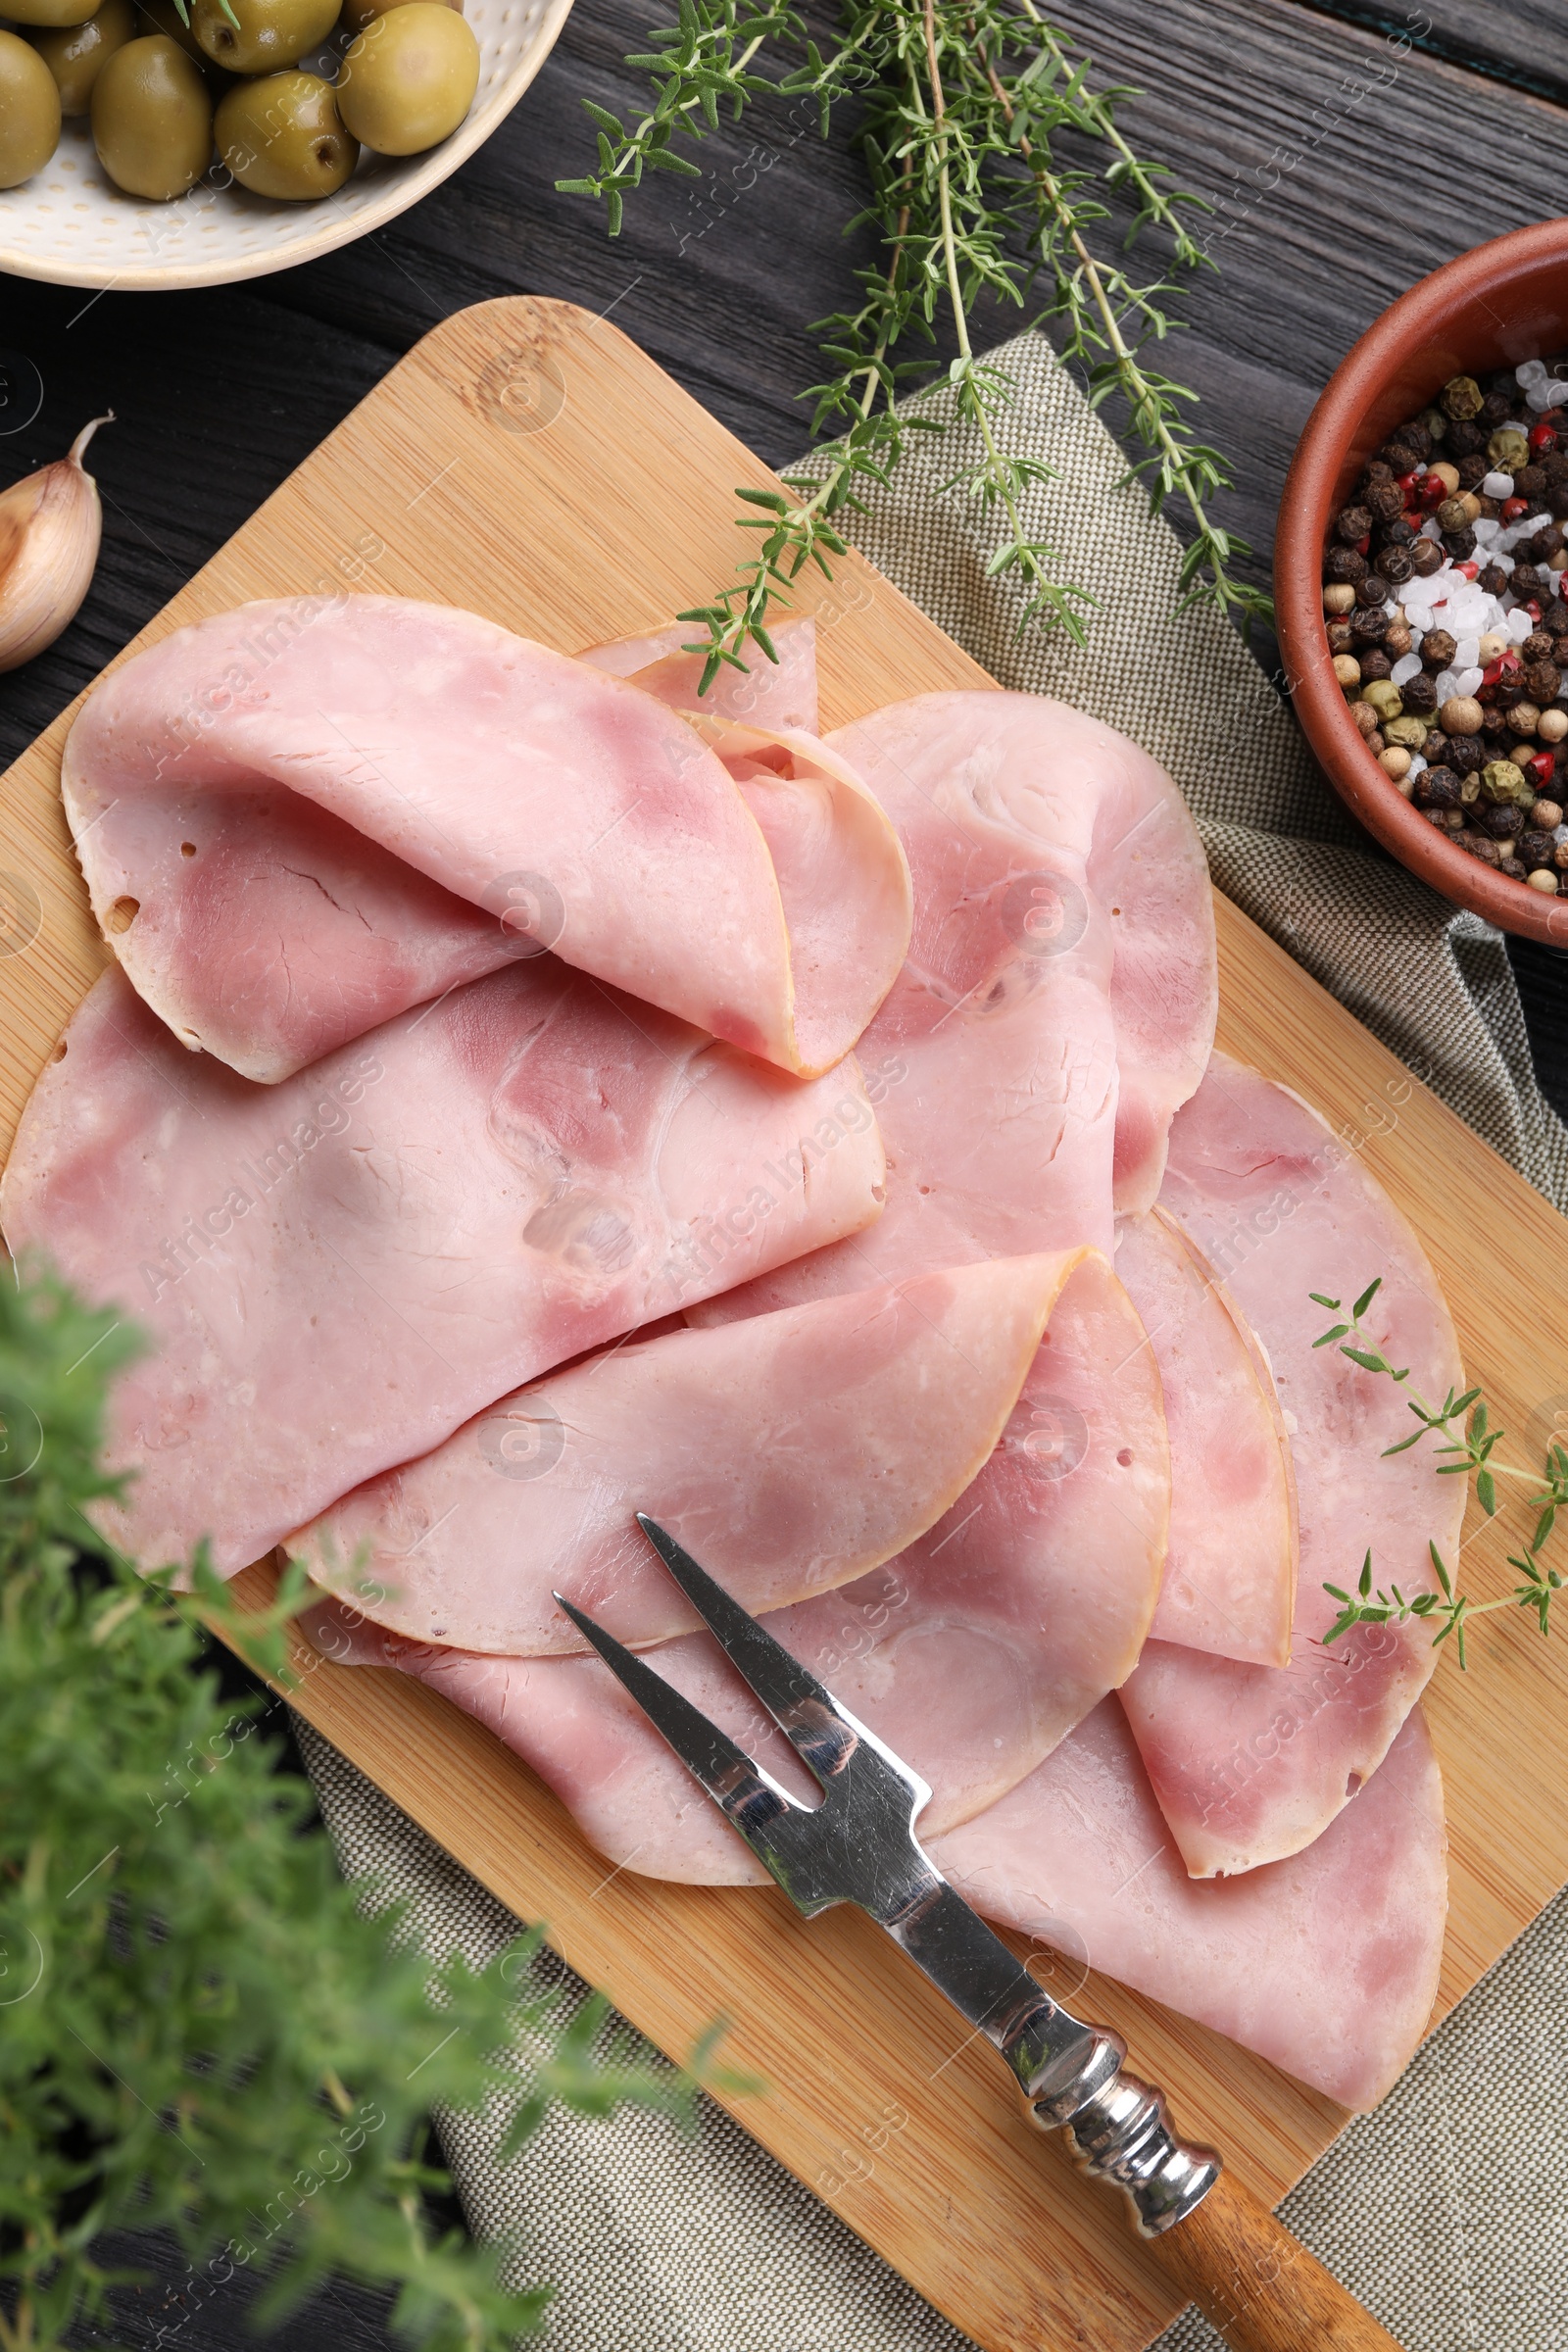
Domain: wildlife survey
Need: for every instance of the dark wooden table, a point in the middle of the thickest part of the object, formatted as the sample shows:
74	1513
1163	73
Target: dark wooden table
1334	158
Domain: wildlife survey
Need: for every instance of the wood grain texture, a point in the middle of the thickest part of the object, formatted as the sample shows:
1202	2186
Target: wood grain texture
1257	2285
608	518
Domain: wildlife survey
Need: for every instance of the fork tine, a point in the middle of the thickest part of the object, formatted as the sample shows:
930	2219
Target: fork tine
750	1798
804	1708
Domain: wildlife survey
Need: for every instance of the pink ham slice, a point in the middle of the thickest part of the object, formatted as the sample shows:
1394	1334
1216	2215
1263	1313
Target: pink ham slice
789	1453
1230	1572
1326	1964
299	818
1250	1763
335	1273
765	694
972	1652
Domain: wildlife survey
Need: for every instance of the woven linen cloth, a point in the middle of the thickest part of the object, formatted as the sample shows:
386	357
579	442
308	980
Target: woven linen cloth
1446	2210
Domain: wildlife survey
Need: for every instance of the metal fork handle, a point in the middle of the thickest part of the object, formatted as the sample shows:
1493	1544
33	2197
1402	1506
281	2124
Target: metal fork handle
1218	2243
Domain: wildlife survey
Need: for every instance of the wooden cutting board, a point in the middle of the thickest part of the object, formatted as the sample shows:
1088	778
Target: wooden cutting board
528	461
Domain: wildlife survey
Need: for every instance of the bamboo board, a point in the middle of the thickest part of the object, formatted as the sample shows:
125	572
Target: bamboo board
530	462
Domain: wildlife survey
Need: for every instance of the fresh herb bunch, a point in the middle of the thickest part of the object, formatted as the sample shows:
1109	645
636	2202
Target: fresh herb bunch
961	106
1470	1445
199	2029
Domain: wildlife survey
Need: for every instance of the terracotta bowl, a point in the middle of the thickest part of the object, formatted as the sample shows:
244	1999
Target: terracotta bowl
1504	303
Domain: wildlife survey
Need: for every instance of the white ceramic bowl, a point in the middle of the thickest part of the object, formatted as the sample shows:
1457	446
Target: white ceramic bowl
70	225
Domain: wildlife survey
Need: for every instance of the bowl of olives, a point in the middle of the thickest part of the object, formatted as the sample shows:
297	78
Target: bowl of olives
162	143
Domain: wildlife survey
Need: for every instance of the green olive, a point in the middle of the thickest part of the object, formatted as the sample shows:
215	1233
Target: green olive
162	16
49	12
357	14
409	78
280	136
30	111
256	37
74	53
152	119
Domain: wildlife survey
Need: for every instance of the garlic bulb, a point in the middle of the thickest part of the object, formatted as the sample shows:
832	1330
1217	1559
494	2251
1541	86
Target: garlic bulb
50	526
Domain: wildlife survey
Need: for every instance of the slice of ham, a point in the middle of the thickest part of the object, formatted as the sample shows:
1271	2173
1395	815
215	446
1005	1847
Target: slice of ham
299	818
1326	1964
1230	1572
789	1453
761	693
1250	1763
971	1653
1063	929
336	1272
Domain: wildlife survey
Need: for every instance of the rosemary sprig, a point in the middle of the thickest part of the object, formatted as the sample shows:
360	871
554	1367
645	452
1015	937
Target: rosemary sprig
1471	1443
960	105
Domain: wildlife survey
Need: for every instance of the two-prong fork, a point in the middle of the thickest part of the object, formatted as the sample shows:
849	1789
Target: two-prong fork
1220	2245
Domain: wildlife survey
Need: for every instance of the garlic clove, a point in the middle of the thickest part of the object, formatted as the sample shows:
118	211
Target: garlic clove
50	527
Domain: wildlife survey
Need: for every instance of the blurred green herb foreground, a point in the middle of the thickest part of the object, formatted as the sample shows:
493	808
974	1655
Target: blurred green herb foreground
199	2029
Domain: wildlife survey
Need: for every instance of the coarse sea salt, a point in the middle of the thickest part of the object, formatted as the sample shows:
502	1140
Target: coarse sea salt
1407	666
1444	682
1529	371
1519	625
1467	680
1485	530
1495	485
1417	763
1467	653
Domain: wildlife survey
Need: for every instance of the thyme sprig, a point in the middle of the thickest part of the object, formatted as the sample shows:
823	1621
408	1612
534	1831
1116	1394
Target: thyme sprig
1470	1441
961	101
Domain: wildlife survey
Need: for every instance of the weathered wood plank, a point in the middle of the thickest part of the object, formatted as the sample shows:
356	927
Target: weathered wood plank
1514	42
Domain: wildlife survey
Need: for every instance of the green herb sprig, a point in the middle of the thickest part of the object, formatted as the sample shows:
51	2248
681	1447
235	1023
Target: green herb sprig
1470	1444
200	2031
961	106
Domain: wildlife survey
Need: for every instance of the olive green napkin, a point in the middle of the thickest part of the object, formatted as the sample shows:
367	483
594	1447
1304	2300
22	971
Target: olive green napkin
1447	2209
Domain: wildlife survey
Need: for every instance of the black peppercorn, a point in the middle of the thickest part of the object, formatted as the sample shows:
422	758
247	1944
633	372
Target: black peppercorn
1414	435
1426	555
1554	465
1555	501
1509	690
1535	849
1354	526
1555	616
1502	820
1376	471
1372	589
1395	564
1542	682
1493	724
1474	470
1437	649
1344	563
1419	695
1537	646
1497	409
1398	533
1462	439
1385	501
1531	482
1370	624
1527	583
1375	663
1493	578
1437	788
1465	753
1461	545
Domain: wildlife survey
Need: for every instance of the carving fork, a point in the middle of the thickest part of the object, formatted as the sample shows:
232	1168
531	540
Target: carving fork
1218	2243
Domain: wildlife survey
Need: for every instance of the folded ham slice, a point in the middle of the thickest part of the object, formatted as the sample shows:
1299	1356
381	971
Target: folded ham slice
336	1272
760	694
971	1653
299	818
788	1453
1230	1572
1326	1964
1250	1763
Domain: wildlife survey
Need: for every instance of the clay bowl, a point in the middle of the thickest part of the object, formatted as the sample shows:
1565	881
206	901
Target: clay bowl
1506	301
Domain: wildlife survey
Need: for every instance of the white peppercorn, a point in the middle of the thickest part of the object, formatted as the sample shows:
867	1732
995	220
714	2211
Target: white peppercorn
1542	878
1347	669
